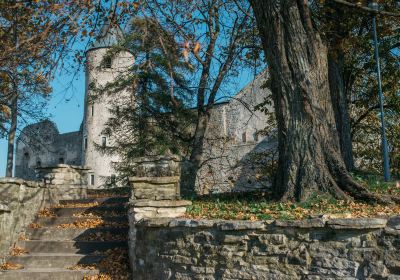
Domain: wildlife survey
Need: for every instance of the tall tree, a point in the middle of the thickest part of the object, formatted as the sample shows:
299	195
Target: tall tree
216	37
310	157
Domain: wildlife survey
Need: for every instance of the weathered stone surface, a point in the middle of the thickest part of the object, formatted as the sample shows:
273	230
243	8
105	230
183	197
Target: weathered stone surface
4	208
63	174
307	223
240	225
214	249
394	222
155	188
357	223
161	203
21	200
193	223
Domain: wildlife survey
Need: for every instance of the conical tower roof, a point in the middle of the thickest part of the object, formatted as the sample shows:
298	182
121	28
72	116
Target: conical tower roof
109	36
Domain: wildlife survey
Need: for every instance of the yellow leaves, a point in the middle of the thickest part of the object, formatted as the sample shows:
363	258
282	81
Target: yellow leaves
135	5
83	266
5	110
34	225
10	266
264	210
189	46
46	212
196	48
114	266
185	51
18	251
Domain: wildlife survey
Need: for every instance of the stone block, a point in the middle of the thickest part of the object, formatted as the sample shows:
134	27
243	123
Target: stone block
357	223
307	223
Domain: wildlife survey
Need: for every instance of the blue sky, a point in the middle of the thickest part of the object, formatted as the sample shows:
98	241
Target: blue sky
65	108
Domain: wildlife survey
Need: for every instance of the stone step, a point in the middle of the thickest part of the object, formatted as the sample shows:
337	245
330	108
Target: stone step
102	200
55	221
54	260
61	234
101	210
81	247
46	274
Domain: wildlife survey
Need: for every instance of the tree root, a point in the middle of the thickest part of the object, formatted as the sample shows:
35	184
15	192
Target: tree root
353	189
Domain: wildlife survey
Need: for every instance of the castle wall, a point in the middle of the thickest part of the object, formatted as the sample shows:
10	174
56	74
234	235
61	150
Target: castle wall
41	144
234	138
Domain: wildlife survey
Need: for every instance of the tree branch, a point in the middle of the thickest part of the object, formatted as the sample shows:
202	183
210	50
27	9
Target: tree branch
366	9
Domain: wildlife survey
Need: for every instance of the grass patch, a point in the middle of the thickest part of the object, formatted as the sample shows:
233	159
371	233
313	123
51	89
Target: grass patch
260	206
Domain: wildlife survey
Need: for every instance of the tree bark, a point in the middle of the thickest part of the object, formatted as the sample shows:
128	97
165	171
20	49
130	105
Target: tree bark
11	135
339	102
310	158
196	154
14	107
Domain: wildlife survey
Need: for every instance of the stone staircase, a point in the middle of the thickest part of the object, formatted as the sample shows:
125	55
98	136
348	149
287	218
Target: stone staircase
77	239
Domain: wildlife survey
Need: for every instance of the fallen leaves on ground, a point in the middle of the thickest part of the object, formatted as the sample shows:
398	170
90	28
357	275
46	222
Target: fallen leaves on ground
10	266
34	225
22	237
18	251
115	266
83	267
103	236
98	214
93	223
46	213
265	210
77	205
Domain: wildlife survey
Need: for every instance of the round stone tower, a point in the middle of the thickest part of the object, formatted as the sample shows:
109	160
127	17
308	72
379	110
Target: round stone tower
101	68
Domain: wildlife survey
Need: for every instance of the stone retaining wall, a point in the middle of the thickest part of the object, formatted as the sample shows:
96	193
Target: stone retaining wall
309	249
21	200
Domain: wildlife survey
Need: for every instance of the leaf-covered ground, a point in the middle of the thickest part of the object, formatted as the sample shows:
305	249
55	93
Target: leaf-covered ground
259	206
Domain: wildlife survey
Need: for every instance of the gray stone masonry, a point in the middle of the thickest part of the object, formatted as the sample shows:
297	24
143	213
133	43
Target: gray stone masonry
155	193
21	200
63	174
319	248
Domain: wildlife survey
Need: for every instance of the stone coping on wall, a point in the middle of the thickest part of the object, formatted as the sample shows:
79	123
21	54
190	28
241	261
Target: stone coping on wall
155	180
56	166
32	184
390	223
36	184
159	203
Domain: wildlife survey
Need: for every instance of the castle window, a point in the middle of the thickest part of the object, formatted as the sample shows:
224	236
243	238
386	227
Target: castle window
38	163
103	141
85	143
92	110
107	62
61	160
244	137
26	155
255	136
92	179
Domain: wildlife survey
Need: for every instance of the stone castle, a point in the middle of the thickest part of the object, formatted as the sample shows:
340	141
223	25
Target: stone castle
232	138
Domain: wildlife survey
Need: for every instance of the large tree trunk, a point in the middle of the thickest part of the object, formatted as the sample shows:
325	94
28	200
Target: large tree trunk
196	154
310	158
11	136
339	102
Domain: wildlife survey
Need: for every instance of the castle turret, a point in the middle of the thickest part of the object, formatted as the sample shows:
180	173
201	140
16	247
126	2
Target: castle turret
101	68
